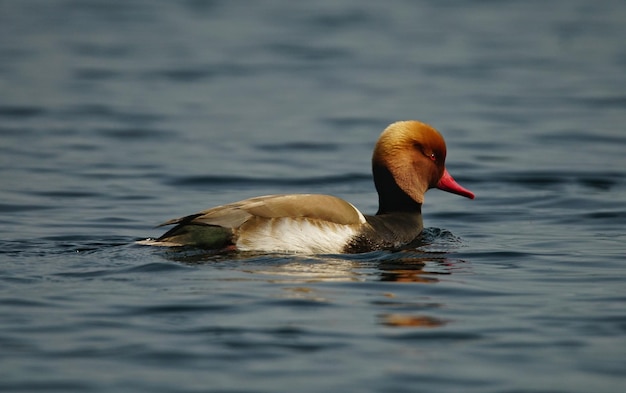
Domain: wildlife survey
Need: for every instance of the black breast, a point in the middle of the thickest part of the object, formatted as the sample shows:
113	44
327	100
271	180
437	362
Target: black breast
386	232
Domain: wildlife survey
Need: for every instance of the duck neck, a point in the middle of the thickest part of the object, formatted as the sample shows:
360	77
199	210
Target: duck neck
391	198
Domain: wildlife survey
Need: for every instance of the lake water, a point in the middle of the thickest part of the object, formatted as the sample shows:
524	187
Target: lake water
117	115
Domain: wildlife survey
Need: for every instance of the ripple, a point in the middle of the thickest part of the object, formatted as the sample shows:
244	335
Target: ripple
618	102
48	386
96	74
299	146
19	112
69	194
211	180
346	20
154	267
309	53
533	179
12	207
439	336
356	122
574	136
108	112
130	133
176	308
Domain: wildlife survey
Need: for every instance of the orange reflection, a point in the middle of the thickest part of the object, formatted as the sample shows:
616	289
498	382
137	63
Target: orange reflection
402	320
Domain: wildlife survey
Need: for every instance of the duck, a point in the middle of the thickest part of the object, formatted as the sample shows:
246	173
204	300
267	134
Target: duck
408	159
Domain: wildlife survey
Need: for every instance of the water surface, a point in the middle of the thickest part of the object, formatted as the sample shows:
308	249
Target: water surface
118	115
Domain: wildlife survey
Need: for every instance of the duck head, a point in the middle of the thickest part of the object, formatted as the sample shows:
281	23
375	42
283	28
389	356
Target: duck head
409	158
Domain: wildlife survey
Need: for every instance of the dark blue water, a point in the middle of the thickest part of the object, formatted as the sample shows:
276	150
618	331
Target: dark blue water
118	115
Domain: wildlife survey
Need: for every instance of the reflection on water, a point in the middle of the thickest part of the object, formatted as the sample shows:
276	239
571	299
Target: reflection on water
409	265
298	275
414	272
417	321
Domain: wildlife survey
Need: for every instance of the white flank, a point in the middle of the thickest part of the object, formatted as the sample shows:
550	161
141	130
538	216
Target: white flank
296	235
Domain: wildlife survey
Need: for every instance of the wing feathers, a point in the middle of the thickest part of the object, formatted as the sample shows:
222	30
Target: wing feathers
318	207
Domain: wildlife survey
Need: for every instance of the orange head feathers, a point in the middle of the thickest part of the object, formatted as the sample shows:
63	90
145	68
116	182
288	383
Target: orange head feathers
413	154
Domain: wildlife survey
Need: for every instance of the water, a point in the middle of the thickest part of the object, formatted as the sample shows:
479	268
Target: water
118	115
